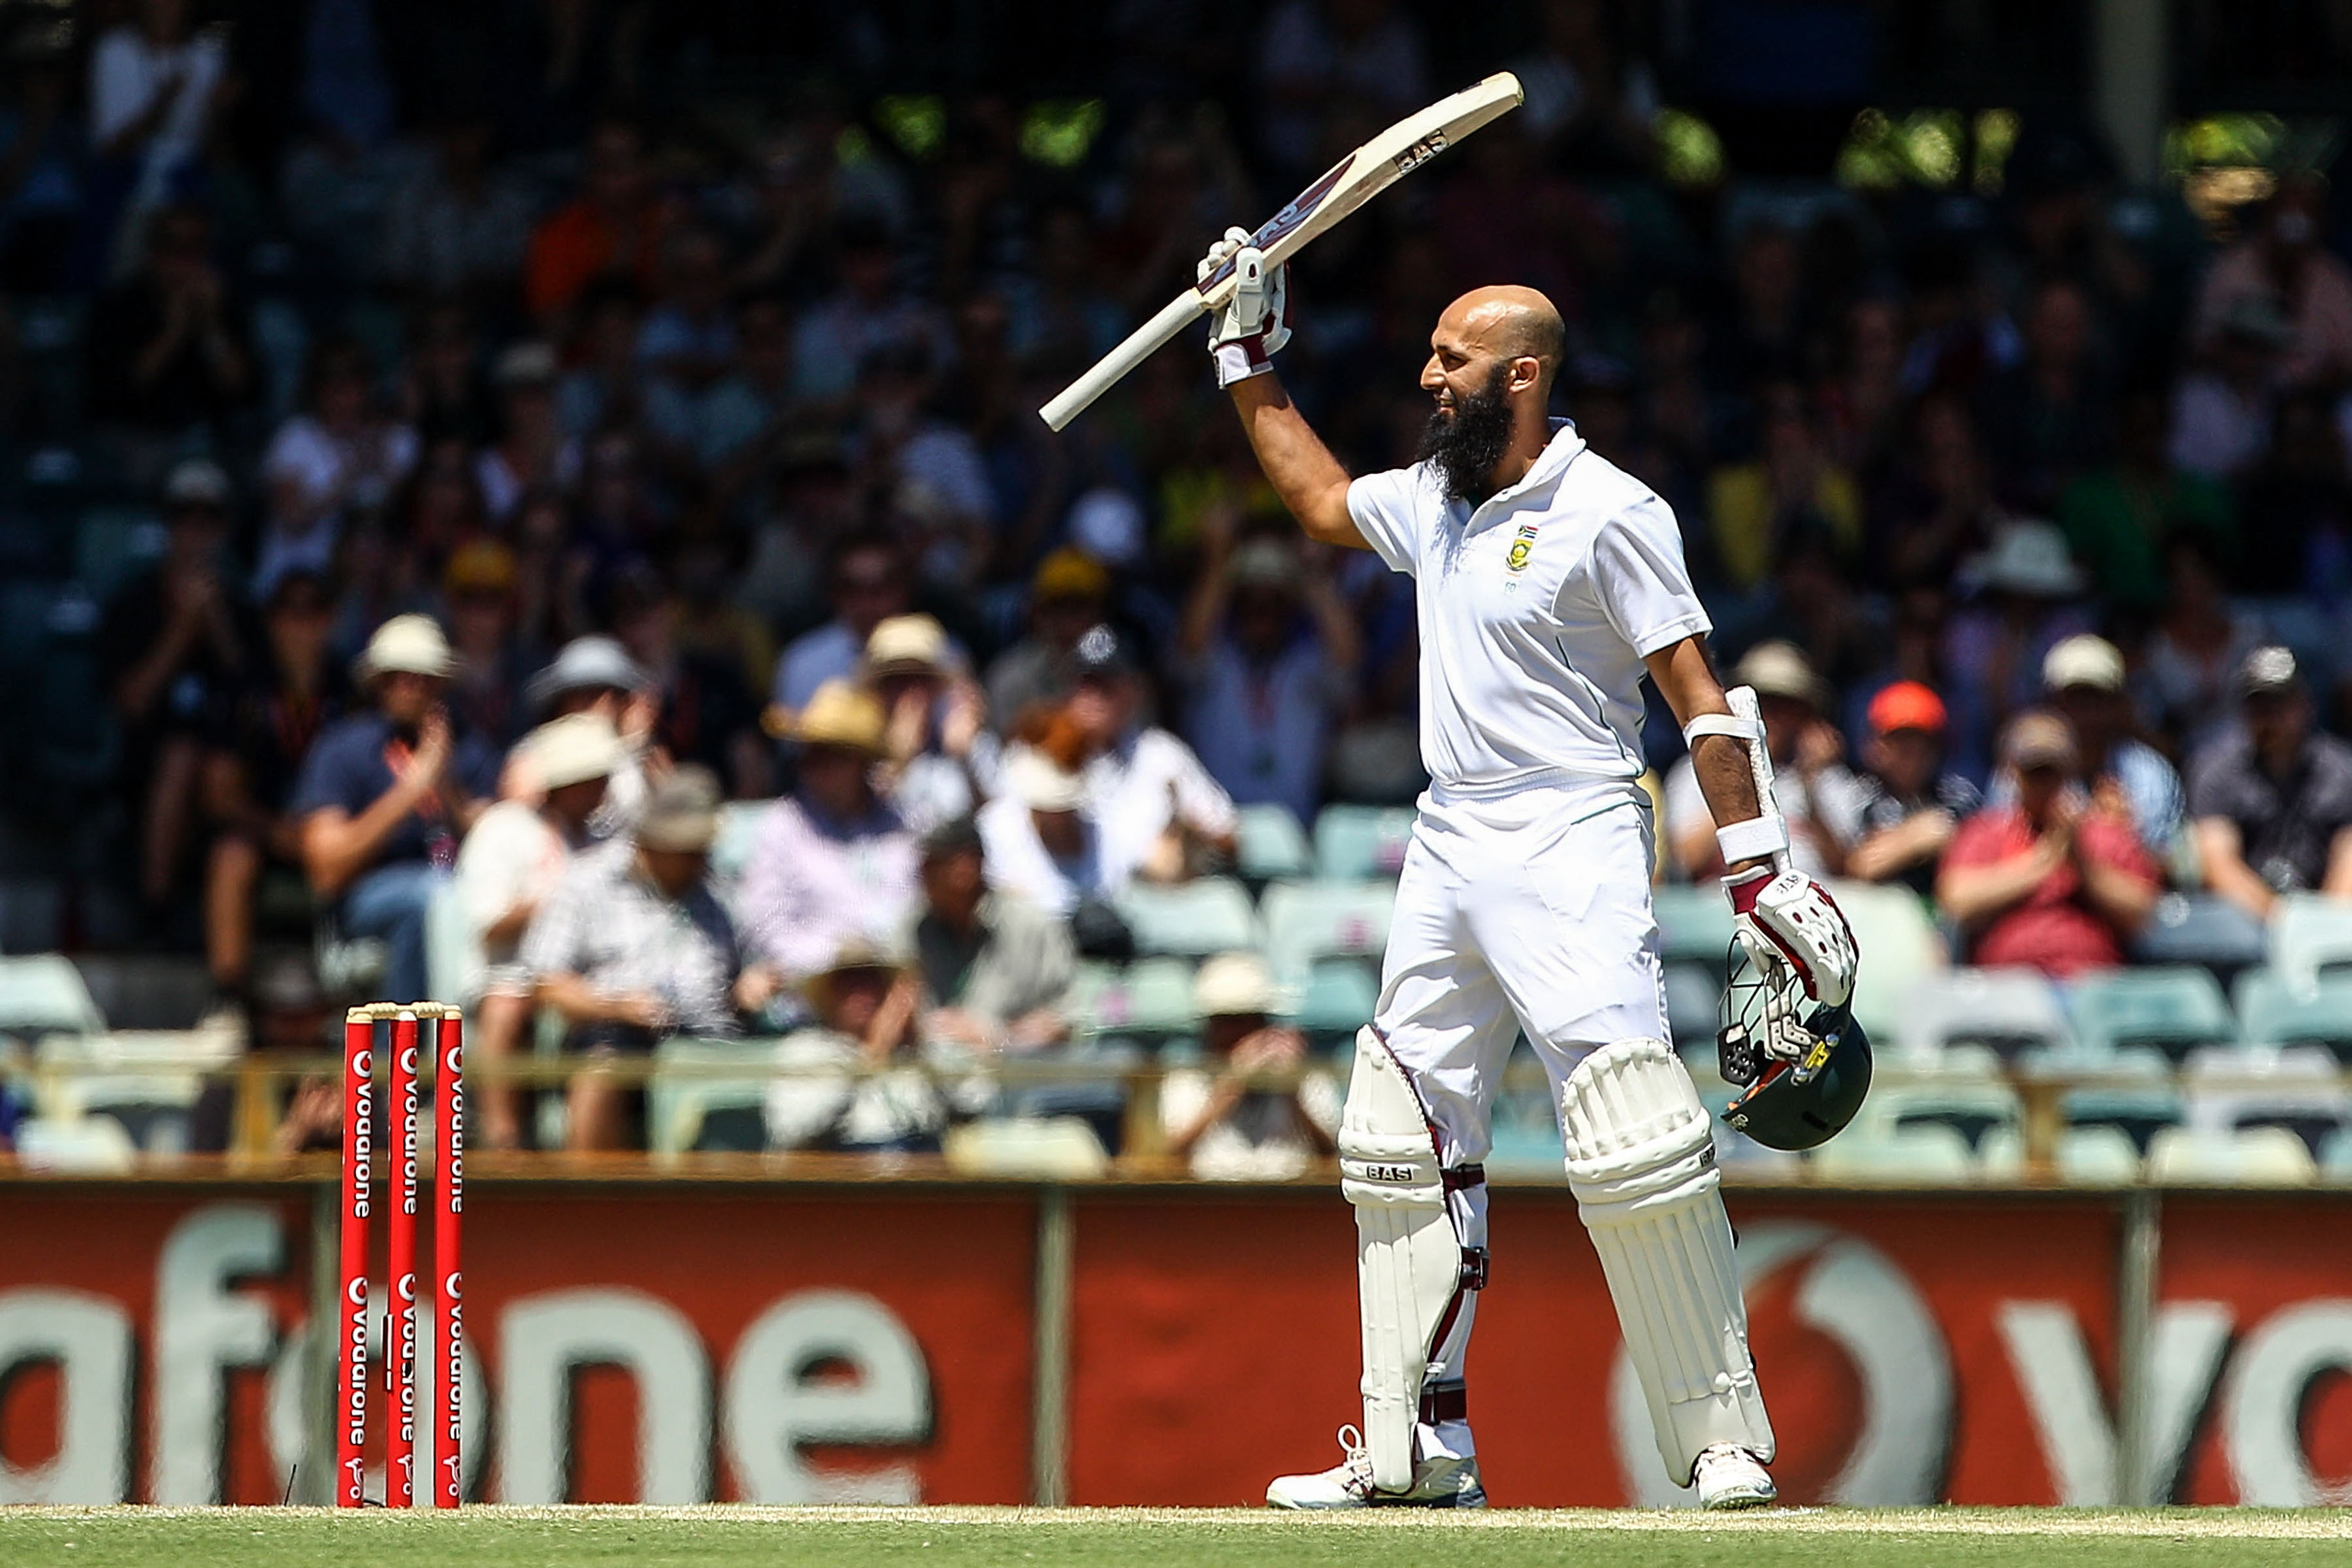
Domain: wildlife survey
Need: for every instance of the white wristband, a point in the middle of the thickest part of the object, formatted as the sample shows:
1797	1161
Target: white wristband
1759	838
1730	724
1235	363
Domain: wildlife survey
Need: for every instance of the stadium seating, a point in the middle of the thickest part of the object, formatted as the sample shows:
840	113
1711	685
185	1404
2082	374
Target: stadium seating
2202	929
95	1145
1358	841
1273	845
2310	935
1050	1148
1195	920
1929	1153
1694	1002
2008	1009
1307	921
2294	1088
1693	925
1339	999
1149	1001
2274	1009
2175	1008
2259	1155
44	993
1900	952
699	1110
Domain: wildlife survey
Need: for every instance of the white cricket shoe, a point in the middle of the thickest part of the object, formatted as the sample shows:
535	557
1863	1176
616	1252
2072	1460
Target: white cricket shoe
1728	1475
1436	1483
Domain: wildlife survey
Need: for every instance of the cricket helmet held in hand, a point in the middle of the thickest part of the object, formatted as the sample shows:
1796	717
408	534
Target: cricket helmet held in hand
1803	1068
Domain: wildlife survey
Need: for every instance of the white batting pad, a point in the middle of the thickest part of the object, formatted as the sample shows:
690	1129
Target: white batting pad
1408	1258
1640	1159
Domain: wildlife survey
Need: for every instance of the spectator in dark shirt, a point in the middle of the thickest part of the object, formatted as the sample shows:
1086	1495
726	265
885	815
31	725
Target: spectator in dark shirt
2273	802
1902	810
167	346
387	795
2056	881
172	648
253	757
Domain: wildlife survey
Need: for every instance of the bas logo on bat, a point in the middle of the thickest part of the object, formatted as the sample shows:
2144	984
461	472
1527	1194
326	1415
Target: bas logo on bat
1421	153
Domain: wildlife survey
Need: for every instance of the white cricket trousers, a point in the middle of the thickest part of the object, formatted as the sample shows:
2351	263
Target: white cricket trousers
1527	911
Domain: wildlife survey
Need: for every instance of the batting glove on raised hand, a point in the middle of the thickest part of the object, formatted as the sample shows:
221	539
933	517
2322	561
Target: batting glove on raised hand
1788	925
1252	327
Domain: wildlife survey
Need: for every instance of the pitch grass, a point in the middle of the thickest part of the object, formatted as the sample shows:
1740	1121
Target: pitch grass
723	1537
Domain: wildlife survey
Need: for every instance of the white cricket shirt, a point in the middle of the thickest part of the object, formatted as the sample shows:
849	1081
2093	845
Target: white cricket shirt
1536	610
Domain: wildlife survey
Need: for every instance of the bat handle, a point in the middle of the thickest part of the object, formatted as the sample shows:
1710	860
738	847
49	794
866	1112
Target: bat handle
1107	372
1743	703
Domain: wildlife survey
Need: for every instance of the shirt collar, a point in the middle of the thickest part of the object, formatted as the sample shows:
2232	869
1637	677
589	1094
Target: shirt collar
1553	460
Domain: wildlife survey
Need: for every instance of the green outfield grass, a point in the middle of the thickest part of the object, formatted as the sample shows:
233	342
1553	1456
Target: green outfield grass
1135	1538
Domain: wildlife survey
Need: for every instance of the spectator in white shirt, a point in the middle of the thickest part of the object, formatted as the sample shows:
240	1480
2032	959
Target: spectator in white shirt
1268	684
338	456
514	859
1158	810
938	759
1042	841
1221	1119
155	85
831	862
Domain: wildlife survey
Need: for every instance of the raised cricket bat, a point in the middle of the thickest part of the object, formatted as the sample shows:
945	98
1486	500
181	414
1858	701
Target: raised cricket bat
1353	181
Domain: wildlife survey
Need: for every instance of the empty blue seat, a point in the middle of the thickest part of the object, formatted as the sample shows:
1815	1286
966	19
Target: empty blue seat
1693	925
1352	841
2178	1009
2275	1009
2202	929
1323	918
1273	845
1195	919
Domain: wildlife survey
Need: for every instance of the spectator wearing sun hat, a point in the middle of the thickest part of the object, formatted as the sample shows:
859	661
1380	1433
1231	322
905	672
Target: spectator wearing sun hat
938	758
1042	839
861	1077
385	795
831	861
1234	1119
633	947
596	675
511	862
2083	677
1904	806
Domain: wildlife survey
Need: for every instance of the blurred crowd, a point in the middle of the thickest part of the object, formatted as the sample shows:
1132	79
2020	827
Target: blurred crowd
540	480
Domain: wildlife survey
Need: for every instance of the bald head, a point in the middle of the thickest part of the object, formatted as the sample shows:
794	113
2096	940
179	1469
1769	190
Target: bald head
1509	321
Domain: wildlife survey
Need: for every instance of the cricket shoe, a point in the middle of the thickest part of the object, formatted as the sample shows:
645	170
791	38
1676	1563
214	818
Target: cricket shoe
1728	1475
1436	1483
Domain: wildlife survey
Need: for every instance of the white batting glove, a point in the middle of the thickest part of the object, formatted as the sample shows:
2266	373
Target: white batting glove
1788	924
1245	335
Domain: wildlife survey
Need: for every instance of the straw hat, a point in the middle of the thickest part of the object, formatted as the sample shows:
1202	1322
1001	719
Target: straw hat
840	714
573	750
405	645
1235	982
904	643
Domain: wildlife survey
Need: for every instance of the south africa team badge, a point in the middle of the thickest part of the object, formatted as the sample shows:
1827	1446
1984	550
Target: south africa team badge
1523	547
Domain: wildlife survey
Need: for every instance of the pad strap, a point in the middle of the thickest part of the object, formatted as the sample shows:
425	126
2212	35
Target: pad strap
1445	1402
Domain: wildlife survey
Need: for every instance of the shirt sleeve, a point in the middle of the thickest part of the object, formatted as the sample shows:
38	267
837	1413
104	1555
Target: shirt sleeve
1202	802
551	943
326	778
1639	577
1386	508
1977	843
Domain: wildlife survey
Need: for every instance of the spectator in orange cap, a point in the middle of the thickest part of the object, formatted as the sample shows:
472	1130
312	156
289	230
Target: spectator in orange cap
1904	806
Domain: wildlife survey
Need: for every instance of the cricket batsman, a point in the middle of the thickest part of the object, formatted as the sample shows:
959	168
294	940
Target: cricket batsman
1549	581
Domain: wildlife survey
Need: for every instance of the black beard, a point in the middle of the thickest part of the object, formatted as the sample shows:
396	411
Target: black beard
1466	447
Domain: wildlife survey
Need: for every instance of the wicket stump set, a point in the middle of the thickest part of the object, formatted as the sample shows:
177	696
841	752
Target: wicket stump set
436	1029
